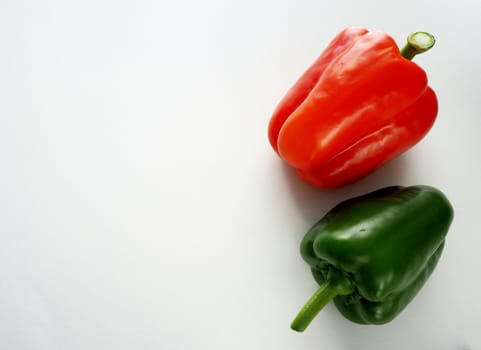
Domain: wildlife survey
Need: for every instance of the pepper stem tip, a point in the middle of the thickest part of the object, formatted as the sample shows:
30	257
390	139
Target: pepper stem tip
336	285
417	43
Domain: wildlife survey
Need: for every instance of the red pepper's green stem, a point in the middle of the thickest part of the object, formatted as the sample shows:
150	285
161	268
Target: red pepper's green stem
417	43
328	291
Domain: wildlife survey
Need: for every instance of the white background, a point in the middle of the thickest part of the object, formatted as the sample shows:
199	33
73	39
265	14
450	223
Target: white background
141	206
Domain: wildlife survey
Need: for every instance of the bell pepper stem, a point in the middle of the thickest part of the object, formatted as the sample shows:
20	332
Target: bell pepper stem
417	43
326	292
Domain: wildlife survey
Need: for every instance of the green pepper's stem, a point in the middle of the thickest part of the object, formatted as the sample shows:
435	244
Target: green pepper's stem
326	292
417	43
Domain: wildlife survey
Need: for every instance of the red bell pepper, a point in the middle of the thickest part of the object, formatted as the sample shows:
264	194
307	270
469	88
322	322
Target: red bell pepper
361	103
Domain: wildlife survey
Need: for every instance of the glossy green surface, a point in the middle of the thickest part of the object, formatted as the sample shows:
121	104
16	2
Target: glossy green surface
386	242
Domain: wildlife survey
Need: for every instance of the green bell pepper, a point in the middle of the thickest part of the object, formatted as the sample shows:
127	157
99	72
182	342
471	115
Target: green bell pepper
373	253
